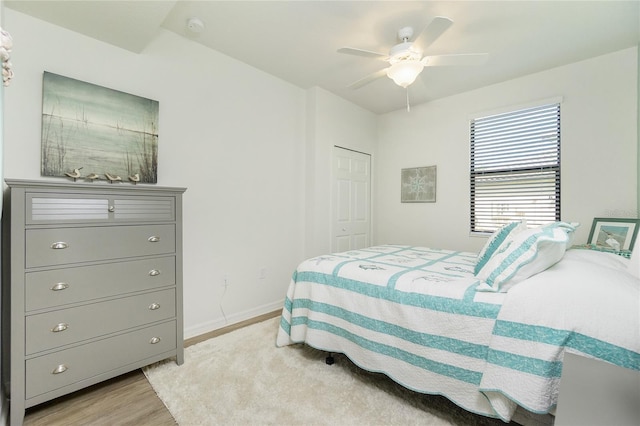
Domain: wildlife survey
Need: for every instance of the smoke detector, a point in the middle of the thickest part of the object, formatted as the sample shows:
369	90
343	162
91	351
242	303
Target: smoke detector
195	25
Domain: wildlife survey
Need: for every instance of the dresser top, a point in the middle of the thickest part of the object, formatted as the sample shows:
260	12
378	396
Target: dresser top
54	184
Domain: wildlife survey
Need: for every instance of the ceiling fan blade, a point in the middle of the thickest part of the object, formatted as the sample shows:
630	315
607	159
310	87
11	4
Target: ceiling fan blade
362	52
431	32
455	59
368	79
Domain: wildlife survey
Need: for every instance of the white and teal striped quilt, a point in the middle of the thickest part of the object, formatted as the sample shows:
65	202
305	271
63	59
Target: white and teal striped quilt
587	304
413	313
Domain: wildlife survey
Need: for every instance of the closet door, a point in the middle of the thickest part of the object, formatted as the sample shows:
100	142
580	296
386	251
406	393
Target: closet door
351	206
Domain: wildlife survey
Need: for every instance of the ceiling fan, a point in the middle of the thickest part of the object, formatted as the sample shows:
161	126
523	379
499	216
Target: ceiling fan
406	59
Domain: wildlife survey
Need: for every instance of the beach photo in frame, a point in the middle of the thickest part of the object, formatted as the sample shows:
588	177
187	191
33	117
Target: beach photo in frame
418	185
613	233
97	130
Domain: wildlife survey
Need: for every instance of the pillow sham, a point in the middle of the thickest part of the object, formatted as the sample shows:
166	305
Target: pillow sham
568	227
523	255
495	240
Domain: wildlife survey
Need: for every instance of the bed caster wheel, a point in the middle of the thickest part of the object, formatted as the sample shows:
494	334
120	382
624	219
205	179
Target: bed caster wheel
329	360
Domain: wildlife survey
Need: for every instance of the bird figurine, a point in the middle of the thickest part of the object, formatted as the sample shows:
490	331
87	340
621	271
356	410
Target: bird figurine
91	177
135	178
74	174
112	178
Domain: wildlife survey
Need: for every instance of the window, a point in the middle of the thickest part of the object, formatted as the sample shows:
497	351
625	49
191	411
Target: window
515	168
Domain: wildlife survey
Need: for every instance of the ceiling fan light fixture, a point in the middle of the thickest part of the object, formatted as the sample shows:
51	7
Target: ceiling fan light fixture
405	72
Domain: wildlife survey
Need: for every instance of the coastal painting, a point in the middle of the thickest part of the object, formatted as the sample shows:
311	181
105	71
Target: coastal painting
617	234
97	131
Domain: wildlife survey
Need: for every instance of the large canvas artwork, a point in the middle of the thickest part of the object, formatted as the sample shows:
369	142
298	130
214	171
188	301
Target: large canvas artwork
97	131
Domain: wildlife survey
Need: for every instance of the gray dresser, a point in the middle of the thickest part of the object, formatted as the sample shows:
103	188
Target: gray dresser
92	285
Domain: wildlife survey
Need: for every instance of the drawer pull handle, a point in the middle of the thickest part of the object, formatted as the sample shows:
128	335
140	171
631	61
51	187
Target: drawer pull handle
60	286
60	369
112	209
60	245
154	272
155	340
153	239
154	306
60	327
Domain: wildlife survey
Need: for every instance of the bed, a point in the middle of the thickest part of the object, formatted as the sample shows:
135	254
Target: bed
443	322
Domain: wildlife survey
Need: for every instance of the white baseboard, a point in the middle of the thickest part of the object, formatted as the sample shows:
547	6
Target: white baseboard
206	327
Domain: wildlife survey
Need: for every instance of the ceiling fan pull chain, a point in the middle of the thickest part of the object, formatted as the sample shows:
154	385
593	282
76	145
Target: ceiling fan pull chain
408	106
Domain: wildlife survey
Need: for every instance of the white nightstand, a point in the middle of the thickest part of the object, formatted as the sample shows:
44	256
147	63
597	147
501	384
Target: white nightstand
596	393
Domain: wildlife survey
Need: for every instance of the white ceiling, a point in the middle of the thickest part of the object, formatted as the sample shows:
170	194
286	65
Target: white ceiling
297	40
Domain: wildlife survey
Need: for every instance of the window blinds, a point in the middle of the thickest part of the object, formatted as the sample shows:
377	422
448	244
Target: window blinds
515	168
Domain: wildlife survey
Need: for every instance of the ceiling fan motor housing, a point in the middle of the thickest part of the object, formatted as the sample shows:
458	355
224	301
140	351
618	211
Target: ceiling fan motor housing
405	33
403	52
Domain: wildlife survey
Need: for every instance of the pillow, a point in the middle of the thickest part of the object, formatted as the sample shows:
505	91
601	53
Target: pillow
634	263
523	255
568	227
494	241
597	257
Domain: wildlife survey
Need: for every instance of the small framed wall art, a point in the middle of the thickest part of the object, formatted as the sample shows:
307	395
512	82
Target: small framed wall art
613	233
418	185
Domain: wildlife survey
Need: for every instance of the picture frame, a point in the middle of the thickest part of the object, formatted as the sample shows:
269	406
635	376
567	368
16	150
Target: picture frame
617	234
418	185
94	130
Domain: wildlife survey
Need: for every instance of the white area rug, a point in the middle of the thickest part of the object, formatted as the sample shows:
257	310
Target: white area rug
242	378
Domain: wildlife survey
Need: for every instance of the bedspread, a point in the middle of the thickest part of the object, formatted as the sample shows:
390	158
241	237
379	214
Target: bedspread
414	314
410	312
585	304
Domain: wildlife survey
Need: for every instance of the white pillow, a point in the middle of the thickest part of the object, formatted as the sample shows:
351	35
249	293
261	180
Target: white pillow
596	257
523	255
494	241
569	228
634	262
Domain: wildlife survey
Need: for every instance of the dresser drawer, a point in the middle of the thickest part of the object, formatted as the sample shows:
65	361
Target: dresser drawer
58	246
61	208
85	361
57	287
66	326
147	208
97	207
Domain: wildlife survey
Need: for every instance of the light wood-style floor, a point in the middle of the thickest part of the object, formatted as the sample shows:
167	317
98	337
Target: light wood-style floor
125	400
